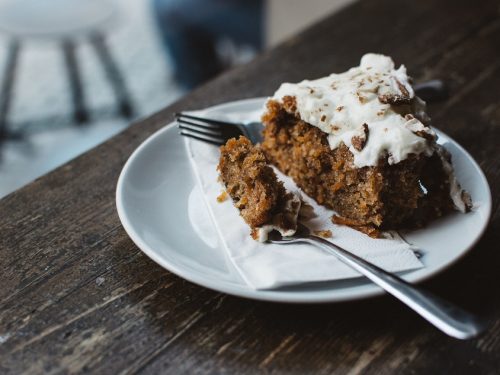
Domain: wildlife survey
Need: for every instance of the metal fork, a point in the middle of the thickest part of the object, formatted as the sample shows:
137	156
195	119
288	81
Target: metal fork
449	318
217	132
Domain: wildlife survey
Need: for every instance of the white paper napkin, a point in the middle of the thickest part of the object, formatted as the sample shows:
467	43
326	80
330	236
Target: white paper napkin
266	266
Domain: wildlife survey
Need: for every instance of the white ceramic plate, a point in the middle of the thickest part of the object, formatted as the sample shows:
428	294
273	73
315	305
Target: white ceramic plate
157	187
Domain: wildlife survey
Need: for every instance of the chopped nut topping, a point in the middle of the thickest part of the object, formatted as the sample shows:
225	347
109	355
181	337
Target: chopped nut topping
417	128
359	141
323	118
361	98
403	89
340	108
425	135
403	97
393	99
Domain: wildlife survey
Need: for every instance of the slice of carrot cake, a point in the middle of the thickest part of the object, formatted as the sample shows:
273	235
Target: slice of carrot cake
262	200
359	143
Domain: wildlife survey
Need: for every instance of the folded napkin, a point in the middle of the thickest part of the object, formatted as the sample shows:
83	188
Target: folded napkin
267	266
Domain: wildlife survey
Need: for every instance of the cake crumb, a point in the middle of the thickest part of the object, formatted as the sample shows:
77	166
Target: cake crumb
323	233
254	233
222	197
369	230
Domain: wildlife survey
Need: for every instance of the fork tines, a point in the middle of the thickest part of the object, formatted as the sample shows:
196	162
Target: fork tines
207	130
209	122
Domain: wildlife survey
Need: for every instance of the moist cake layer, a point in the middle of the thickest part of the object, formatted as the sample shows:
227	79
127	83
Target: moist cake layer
406	194
262	200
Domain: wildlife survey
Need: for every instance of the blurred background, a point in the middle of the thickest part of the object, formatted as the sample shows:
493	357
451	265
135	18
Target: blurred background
75	72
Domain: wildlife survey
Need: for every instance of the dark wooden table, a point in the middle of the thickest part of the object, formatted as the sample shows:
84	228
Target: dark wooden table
78	296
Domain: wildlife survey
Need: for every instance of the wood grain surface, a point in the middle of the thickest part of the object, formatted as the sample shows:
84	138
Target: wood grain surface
77	295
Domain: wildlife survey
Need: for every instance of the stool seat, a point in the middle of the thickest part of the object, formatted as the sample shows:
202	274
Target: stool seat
54	18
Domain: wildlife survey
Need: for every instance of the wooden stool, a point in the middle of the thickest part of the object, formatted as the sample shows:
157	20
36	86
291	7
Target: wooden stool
67	22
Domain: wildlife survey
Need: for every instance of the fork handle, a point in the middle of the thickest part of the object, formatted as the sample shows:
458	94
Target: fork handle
449	318
431	91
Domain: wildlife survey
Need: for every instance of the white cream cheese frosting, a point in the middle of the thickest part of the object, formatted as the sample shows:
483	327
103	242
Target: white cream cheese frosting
364	108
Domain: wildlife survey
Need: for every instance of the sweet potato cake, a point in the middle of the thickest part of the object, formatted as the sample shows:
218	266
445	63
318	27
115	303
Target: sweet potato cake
360	143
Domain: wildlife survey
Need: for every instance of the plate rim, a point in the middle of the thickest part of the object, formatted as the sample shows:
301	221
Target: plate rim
278	295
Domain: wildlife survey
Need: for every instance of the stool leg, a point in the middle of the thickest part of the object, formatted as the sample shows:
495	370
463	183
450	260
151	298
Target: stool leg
79	112
113	74
6	93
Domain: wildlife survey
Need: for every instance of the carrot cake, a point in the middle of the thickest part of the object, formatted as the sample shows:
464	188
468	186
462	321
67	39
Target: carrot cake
262	200
359	143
